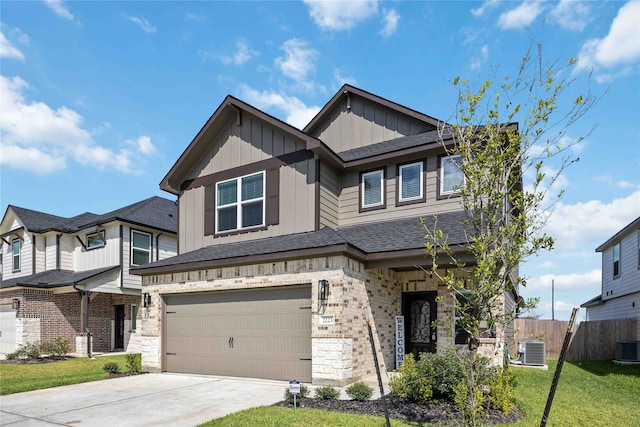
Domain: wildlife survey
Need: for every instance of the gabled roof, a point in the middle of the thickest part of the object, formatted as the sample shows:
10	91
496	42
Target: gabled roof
230	107
363	242
155	212
346	89
618	235
55	278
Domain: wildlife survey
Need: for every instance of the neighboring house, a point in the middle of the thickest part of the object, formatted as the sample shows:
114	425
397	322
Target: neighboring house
620	297
66	276
289	239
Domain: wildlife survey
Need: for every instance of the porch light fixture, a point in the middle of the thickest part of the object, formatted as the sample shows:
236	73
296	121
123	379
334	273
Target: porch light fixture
323	292
146	300
15	303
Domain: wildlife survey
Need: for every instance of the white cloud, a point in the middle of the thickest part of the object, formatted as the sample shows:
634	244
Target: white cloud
8	50
489	4
40	139
521	16
146	26
480	58
297	113
340	15
390	20
59	9
566	282
143	144
298	62
621	46
341	79
588	224
242	54
571	14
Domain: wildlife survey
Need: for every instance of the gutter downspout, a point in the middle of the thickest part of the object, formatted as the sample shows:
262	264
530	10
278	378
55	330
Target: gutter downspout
158	246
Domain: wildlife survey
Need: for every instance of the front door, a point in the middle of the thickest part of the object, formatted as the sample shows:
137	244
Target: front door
419	310
119	327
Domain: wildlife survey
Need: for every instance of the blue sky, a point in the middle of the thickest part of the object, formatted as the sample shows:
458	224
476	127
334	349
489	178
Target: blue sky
98	99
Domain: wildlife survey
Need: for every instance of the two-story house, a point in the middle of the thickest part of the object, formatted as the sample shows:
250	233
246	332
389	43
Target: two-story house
290	240
620	297
69	277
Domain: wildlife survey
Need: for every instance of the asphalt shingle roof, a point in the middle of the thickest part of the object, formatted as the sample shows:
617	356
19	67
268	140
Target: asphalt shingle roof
55	278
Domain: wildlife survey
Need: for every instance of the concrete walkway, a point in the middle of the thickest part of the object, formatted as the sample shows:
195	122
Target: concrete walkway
141	400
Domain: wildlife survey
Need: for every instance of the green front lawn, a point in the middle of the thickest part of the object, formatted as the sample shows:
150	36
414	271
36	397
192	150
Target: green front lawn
16	378
588	394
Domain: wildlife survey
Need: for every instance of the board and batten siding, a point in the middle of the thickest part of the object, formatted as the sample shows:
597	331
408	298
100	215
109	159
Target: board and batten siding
40	249
105	256
329	197
349	204
26	258
67	246
365	123
629	279
167	246
622	307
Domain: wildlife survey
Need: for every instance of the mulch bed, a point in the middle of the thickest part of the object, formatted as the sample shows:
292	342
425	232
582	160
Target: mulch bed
442	413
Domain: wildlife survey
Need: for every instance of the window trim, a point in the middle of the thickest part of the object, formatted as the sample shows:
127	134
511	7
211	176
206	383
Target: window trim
441	193
617	268
97	233
15	255
383	190
423	193
239	202
133	317
131	247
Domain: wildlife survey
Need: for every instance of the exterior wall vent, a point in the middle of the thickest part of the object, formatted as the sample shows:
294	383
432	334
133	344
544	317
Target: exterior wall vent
628	351
532	352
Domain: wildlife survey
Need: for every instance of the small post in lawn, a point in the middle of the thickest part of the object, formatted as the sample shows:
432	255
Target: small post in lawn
375	360
556	376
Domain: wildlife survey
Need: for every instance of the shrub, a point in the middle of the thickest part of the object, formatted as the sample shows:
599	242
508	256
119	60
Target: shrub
111	367
327	393
32	351
359	391
446	370
501	386
63	346
304	392
133	362
412	382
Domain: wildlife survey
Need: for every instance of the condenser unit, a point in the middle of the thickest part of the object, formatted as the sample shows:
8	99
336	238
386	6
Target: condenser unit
628	351
532	352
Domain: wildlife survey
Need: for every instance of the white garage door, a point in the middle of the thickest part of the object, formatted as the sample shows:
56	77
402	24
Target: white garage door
7	329
263	333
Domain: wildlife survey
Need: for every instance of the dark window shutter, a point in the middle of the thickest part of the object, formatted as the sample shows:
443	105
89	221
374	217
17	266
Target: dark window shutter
272	214
209	209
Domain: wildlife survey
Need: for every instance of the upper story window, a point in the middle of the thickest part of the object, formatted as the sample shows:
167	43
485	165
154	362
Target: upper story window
15	248
410	183
372	189
240	203
140	247
616	260
94	240
451	177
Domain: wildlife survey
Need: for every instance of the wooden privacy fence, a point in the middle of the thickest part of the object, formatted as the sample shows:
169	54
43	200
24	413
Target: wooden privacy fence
594	340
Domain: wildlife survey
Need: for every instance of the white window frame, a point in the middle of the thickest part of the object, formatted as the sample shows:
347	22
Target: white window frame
96	246
451	160
239	203
618	260
14	255
420	181
133	248
364	190
133	312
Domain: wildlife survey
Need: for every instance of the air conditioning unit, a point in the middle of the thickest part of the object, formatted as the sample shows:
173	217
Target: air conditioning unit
628	351
532	352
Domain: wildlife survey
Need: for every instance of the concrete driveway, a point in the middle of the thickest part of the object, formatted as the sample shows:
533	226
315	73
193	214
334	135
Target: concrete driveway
141	400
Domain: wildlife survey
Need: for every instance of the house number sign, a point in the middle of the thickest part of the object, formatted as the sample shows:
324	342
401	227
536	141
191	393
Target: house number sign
328	319
399	341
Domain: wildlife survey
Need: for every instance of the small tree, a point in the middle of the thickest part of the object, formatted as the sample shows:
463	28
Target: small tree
504	218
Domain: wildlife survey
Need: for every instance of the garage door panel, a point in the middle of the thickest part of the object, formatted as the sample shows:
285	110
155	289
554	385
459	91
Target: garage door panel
270	331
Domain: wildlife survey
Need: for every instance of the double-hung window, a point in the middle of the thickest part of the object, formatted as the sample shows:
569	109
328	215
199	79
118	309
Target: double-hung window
140	247
240	203
451	177
372	189
410	187
94	240
15	249
616	260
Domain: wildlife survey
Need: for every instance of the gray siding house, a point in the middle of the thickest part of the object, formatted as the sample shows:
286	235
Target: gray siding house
70	276
620	297
289	238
